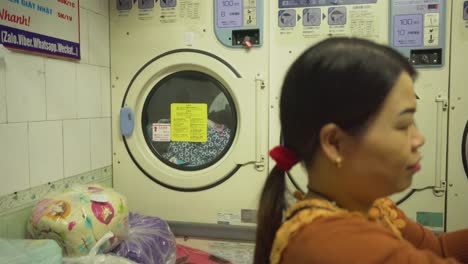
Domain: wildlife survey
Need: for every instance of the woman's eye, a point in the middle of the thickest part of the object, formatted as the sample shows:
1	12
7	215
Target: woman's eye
405	126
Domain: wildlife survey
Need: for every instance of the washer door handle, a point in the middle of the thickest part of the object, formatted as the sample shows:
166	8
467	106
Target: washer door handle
464	150
127	121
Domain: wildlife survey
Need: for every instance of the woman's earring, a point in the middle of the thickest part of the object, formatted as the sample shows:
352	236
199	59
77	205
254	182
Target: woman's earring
338	162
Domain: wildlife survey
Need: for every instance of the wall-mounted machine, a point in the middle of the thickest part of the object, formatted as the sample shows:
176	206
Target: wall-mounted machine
190	109
420	30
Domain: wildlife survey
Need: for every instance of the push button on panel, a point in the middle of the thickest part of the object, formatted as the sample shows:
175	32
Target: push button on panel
431	20
431	36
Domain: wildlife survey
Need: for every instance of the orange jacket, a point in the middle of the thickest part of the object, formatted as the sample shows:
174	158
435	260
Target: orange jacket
352	238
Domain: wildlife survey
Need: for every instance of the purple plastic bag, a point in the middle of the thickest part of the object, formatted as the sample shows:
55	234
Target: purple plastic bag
150	241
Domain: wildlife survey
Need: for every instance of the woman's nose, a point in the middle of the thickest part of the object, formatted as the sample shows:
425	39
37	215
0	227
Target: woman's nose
418	140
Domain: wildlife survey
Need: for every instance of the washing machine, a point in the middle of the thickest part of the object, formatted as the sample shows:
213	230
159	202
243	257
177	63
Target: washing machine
190	111
420	30
457	196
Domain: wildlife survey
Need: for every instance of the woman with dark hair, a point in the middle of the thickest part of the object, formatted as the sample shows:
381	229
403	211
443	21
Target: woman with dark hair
347	113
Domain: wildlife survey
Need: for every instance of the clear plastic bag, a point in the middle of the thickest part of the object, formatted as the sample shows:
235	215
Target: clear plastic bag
98	259
22	251
93	258
150	241
78	217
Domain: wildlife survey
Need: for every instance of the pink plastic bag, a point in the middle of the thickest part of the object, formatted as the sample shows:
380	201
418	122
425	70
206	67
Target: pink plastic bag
188	255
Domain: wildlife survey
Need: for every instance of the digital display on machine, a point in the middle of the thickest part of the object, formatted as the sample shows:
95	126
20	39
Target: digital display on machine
308	3
229	13
408	30
418	30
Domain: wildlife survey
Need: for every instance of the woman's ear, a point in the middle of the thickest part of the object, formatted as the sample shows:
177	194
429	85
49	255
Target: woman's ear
331	137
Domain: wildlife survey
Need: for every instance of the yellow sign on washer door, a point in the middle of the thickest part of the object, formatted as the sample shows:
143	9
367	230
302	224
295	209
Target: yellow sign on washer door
189	122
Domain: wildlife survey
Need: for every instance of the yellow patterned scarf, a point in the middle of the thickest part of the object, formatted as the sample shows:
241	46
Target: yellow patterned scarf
383	212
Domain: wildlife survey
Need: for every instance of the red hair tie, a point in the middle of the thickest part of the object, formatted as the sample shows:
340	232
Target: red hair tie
285	158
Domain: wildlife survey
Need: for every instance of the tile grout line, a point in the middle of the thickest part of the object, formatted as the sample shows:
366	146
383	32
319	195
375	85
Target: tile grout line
22	199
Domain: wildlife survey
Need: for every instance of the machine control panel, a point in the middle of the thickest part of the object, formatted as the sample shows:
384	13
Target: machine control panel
239	23
418	30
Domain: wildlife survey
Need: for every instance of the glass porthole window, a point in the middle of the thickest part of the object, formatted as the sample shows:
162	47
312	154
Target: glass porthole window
208	103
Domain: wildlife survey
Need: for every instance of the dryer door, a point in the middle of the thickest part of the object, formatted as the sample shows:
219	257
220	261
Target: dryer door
194	120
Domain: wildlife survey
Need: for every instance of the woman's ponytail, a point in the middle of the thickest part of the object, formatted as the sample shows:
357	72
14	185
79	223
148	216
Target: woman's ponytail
270	214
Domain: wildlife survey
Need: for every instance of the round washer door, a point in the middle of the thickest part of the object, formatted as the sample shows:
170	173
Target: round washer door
199	111
193	112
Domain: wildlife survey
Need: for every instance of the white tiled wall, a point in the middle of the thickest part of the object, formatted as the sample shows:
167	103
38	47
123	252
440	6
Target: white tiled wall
14	158
98	40
61	95
76	142
45	152
84	34
25	87
55	114
103	7
88	92
93	5
100	142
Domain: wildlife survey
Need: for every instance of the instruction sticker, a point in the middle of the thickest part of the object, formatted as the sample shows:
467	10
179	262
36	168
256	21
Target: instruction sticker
168	3
310	3
124	5
311	17
229	219
145	4
336	15
190	11
465	10
189	122
287	18
161	132
168	16
364	22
